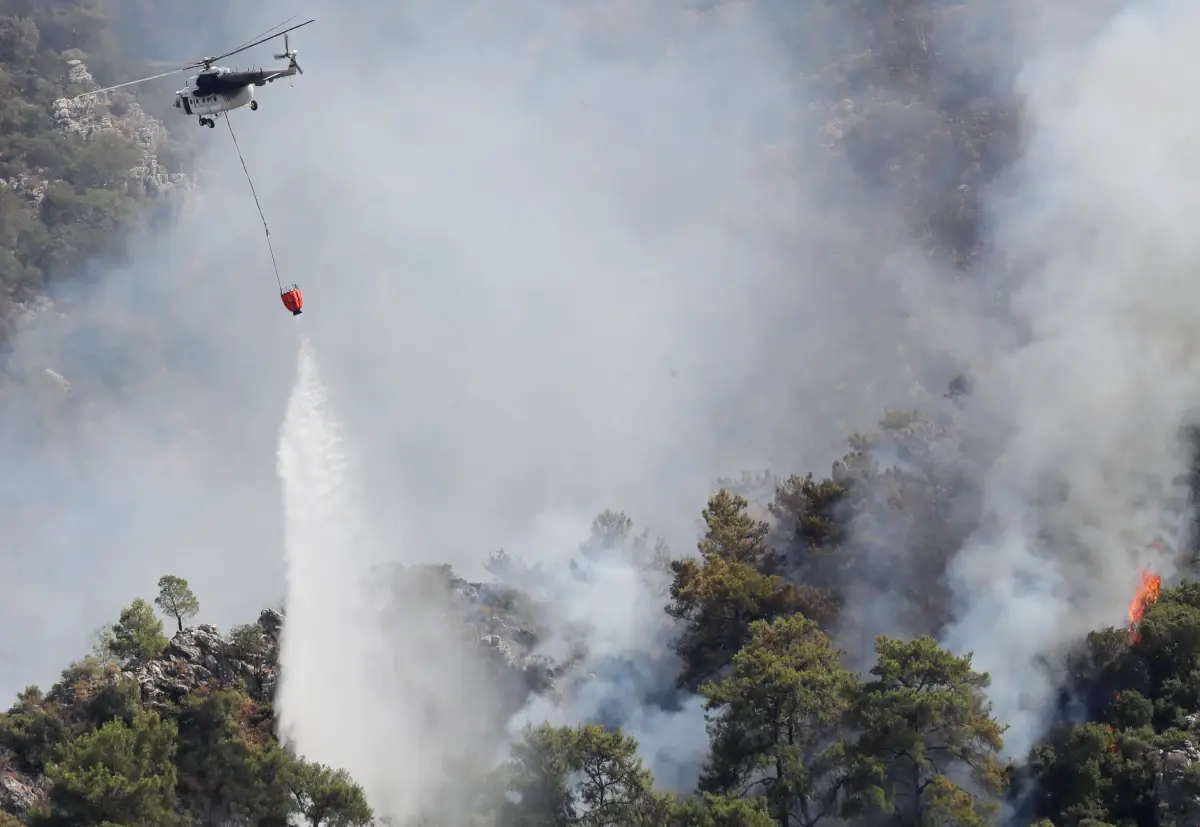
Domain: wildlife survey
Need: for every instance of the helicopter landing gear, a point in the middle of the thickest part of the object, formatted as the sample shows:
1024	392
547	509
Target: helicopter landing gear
253	106
209	122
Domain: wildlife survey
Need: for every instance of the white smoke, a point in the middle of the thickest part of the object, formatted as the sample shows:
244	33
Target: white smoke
603	614
1098	223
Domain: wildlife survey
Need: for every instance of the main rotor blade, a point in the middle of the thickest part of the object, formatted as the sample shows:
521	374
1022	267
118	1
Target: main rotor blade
261	40
247	44
199	63
131	82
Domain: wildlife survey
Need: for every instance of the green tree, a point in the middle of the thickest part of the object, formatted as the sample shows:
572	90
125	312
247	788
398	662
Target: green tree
1137	699
927	504
248	641
214	759
32	730
613	531
707	810
328	797
779	723
116	775
1094	773
924	722
138	633
578	777
116	699
270	801
726	590
176	599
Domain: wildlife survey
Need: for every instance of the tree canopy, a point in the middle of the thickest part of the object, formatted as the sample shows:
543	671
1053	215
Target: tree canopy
104	746
176	599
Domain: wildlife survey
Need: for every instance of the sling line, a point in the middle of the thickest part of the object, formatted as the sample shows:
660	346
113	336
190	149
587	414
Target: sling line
250	181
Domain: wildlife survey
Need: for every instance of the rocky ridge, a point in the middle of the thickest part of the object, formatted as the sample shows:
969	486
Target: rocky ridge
117	112
196	657
200	658
111	112
1175	786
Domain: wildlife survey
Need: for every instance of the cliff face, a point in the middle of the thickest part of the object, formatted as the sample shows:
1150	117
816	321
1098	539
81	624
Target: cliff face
118	113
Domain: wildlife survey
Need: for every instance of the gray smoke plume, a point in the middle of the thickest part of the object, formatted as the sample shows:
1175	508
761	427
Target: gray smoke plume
1096	226
601	613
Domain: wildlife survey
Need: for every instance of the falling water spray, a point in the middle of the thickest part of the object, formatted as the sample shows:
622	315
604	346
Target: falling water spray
324	650
375	684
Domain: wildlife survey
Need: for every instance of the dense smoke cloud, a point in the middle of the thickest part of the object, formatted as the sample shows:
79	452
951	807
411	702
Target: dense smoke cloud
549	267
1094	221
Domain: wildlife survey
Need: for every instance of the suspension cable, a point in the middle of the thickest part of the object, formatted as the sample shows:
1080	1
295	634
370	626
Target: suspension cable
250	181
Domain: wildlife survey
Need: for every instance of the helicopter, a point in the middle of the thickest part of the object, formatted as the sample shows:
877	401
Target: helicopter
216	90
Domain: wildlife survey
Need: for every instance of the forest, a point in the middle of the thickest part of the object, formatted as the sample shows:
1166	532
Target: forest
148	730
812	717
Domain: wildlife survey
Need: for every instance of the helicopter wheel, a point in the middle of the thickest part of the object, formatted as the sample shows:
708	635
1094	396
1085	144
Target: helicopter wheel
253	106
212	123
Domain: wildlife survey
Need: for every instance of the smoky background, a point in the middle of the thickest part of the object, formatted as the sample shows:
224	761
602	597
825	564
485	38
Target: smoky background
560	258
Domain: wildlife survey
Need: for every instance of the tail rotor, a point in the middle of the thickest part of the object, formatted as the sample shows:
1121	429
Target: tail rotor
289	55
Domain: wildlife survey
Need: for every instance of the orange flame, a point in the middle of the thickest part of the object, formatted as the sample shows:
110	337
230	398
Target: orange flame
1147	593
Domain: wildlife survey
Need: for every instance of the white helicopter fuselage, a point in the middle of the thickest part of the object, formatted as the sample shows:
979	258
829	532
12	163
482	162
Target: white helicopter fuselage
196	104
218	90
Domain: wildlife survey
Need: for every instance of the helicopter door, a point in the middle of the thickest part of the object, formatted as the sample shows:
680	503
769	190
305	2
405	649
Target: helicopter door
187	104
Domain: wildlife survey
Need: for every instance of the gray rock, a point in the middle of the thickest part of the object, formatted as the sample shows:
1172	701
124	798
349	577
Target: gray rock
272	623
118	112
18	792
1175	787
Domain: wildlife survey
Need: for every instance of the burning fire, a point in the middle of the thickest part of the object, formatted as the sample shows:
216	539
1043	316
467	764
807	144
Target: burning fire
1147	593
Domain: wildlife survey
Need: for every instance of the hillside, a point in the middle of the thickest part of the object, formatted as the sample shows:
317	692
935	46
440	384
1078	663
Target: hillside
154	731
151	731
76	177
817	633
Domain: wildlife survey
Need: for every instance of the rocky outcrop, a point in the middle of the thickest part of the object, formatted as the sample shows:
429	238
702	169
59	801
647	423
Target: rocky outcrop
118	112
30	187
200	656
1175	783
19	792
247	659
508	642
